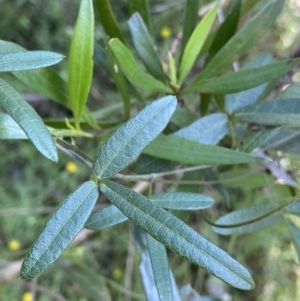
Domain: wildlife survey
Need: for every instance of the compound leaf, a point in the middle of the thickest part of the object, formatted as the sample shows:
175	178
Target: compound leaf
81	63
178	149
176	235
245	215
128	141
60	230
131	69
182	200
28	120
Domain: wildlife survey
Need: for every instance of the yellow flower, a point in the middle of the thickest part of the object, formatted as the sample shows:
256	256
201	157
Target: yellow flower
27	296
14	245
117	274
165	32
71	167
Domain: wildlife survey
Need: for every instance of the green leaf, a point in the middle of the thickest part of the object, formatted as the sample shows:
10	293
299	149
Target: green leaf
272	112
108	20
142	7
243	40
235	102
208	130
242	80
190	20
120	81
176	235
9	129
182	200
186	151
140	241
28	120
45	81
160	268
81	63
172	69
105	218
295	235
294	208
28	60
196	42
128	141
144	46
292	91
60	230
226	30
148	164
211	176
245	215
133	71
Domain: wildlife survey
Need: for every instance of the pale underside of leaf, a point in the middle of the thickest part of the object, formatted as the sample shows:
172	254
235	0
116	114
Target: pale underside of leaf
60	230
28	120
176	235
182	200
28	60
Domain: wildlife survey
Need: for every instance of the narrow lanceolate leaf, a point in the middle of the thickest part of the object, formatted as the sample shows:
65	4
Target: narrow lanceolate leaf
128	141
28	120
28	60
186	151
142	7
160	268
236	101
273	112
189	21
81	63
144	45
176	235
226	29
195	43
45	81
182	200
243	40
105	218
108	20
247	215
208	130
244	79
60	230
295	235
120	81
131	69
